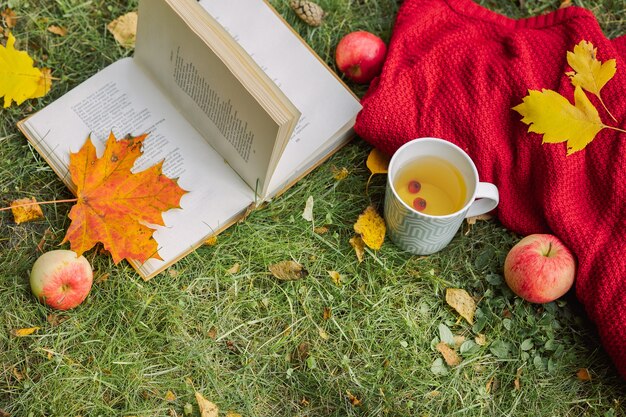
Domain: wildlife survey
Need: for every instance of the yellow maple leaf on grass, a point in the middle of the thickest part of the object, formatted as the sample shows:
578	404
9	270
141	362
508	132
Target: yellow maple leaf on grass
371	226
551	114
589	73
19	79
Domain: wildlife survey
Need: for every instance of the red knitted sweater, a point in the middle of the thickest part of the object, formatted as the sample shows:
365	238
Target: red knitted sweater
454	70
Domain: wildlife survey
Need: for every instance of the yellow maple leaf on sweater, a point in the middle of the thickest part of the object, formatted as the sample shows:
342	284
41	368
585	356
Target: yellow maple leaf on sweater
19	79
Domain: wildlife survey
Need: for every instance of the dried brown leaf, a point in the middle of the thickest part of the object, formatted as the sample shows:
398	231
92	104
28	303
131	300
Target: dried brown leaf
4	413
458	341
57	30
26	210
124	29
462	302
212	332
207	408
583	374
24	332
321	230
169	396
288	271
353	399
17	374
234	269
449	355
10	19
328	313
359	247
516	382
480	339
54	319
101	278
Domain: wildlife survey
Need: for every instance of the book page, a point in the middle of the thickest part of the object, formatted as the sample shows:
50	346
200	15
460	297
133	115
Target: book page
328	108
211	95
123	99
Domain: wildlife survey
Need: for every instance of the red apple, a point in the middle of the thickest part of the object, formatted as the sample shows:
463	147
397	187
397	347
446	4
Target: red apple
360	56
60	279
539	268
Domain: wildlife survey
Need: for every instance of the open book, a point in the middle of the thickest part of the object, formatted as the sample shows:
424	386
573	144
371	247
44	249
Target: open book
232	99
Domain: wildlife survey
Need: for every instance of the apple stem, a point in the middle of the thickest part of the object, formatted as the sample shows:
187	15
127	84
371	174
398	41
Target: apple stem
70	200
549	249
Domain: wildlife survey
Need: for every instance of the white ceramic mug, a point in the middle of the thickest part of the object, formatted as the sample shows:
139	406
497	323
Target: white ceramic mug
421	233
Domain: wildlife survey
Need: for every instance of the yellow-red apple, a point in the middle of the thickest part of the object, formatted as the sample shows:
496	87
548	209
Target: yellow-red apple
540	268
61	279
360	56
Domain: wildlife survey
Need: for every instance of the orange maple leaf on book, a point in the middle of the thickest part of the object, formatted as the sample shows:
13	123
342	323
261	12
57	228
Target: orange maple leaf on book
115	206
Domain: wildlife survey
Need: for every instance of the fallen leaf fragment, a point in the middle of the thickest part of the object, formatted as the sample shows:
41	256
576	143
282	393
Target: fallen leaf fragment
480	339
335	276
54	319
212	333
288	270
462	302
323	334
234	269
9	17
207	408
17	374
565	3
433	394
321	230
26	210
359	247
516	382
212	241
474	219
307	214
371	226
233	414
24	332
583	374
57	30
19	79
458	340
353	399
169	396
124	29
328	313
449	355
4	413
339	173
377	162
188	409
115	205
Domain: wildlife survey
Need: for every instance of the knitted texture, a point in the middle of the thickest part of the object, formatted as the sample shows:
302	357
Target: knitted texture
454	70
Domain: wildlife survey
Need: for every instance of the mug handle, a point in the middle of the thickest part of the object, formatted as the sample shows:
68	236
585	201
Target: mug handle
485	200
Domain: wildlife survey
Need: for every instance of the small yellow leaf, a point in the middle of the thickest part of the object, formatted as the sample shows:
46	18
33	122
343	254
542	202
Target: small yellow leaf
124	29
359	247
449	355
212	241
24	332
207	408
377	162
328	313
549	113
565	3
233	414
19	79
371	226
335	276
57	30
288	270
234	269
170	396
26	210
462	302
583	374
339	173
323	334
589	73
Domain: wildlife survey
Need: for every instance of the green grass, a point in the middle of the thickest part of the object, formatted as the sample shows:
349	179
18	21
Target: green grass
258	346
